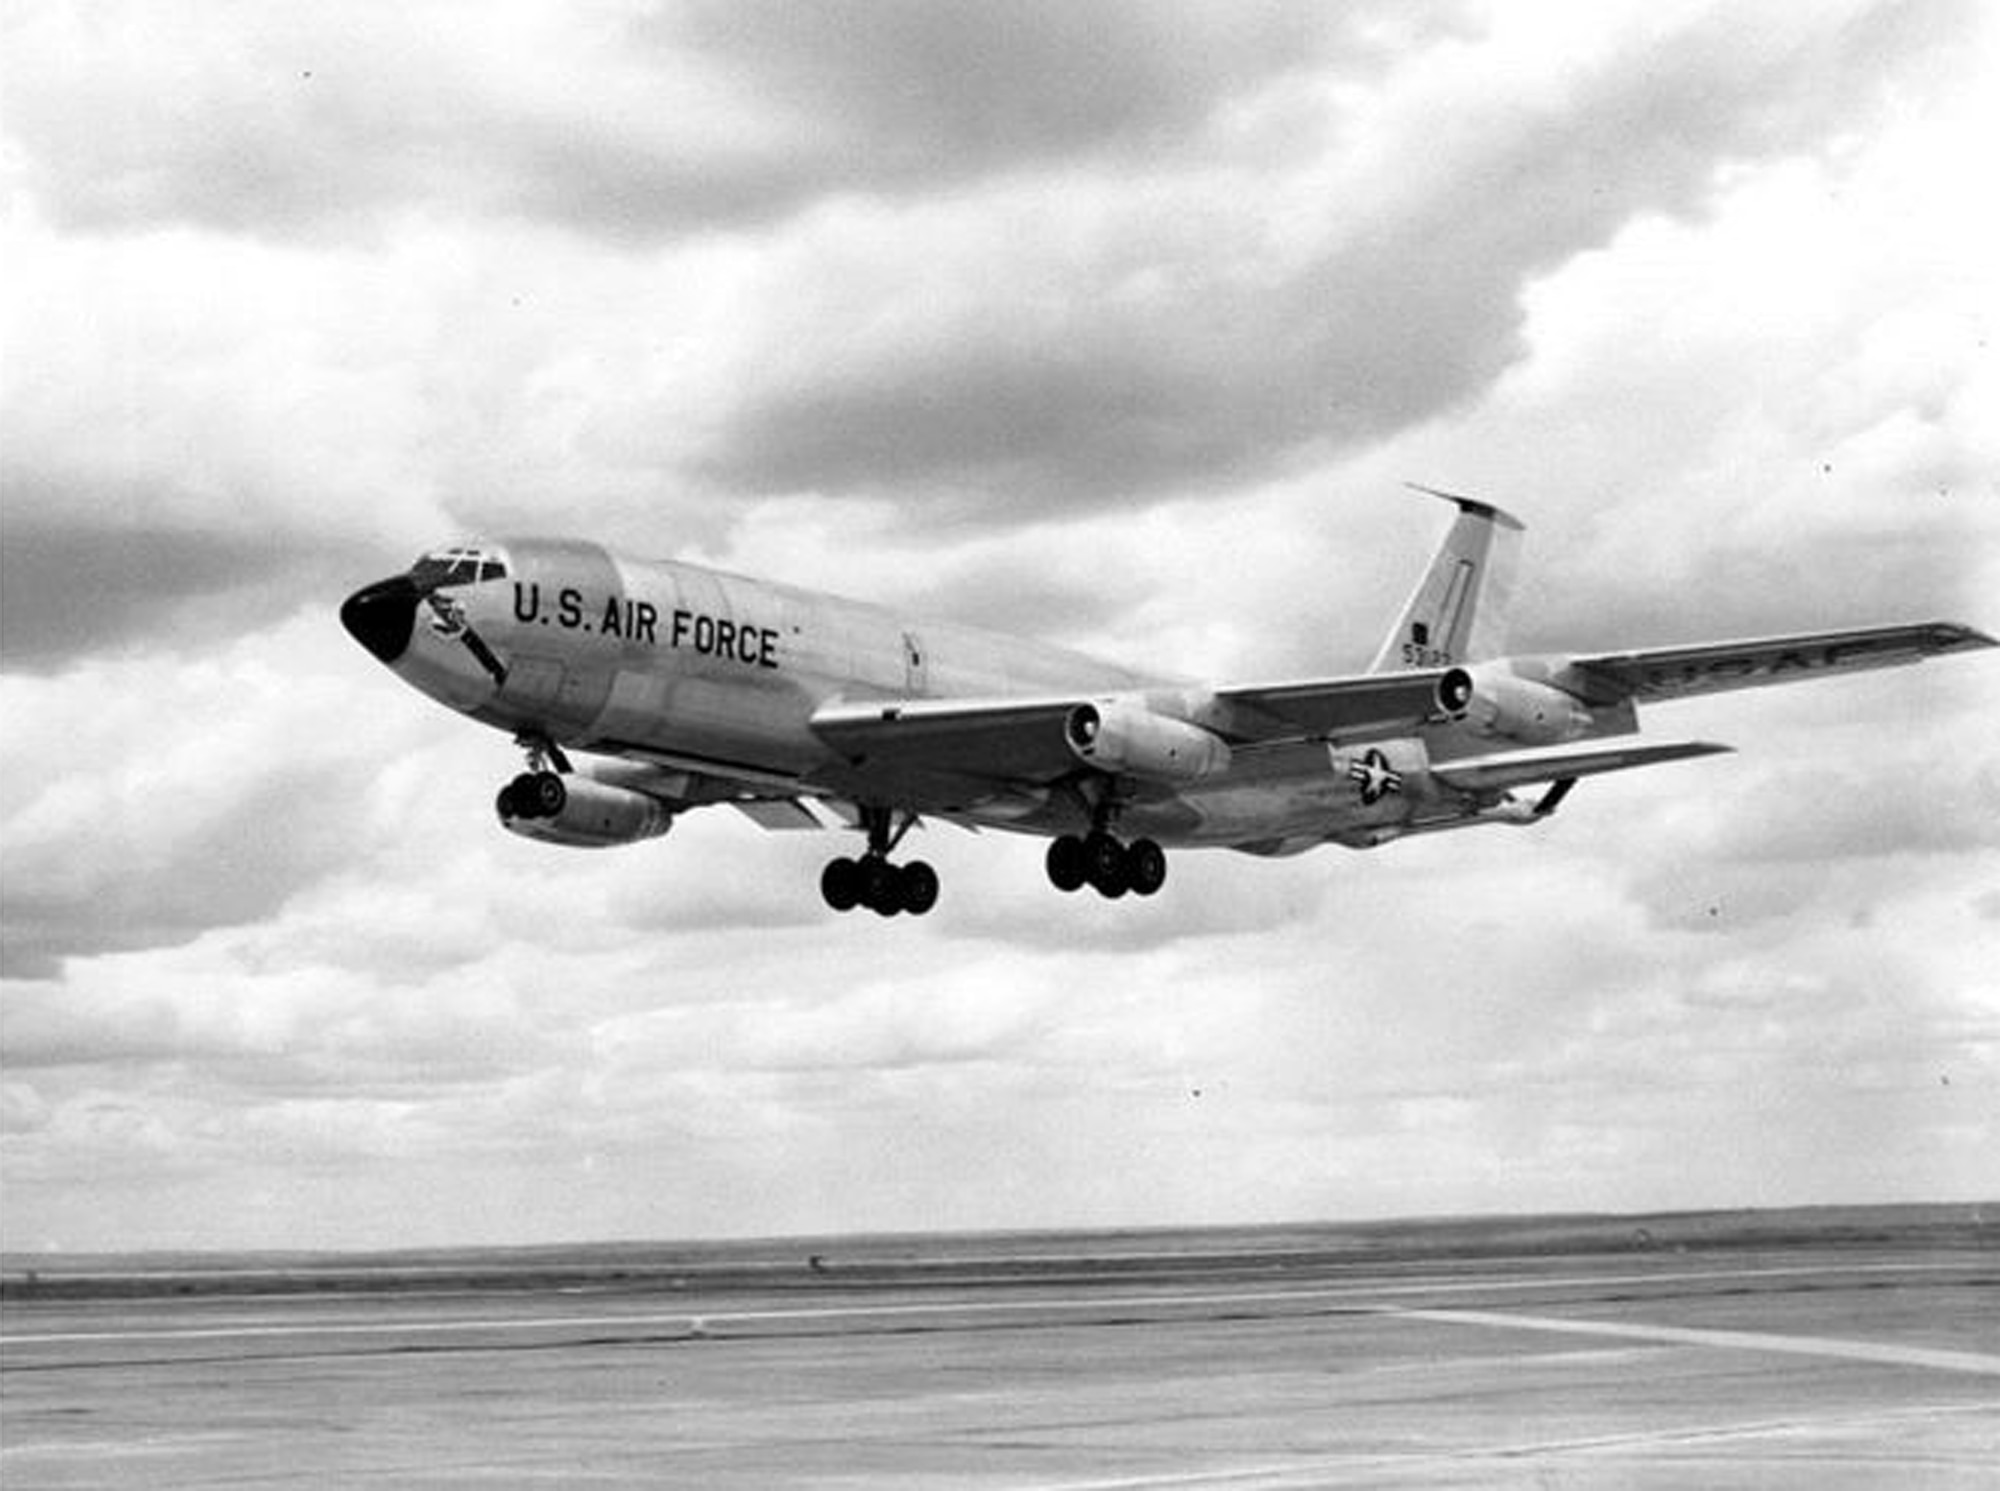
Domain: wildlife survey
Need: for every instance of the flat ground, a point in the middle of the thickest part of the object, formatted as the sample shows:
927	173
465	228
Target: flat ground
1749	1350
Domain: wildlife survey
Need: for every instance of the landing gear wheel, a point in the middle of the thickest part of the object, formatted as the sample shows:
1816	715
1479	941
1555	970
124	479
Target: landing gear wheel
919	888
1145	867
1067	871
881	887
1104	865
872	881
840	884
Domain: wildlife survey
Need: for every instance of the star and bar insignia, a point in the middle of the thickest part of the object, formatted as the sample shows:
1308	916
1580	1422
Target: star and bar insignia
1375	776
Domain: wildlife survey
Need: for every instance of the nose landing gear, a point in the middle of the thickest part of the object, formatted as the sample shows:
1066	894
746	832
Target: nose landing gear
872	881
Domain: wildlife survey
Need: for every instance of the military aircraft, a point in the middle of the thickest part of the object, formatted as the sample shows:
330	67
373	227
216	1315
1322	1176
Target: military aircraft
803	710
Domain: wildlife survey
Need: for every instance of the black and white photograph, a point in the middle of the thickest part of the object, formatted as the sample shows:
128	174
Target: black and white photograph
1118	744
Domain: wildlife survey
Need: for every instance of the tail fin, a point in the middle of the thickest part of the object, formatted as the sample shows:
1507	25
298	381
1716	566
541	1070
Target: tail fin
1458	612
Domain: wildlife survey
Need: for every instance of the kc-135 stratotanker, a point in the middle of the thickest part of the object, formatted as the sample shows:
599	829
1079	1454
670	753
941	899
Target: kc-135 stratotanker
804	710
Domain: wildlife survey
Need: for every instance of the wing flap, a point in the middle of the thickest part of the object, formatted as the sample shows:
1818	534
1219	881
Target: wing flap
1011	740
1519	768
1356	708
781	814
1683	672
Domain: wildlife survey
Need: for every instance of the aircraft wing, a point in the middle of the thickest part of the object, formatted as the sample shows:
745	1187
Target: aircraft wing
1012	740
1352	708
1519	768
1681	672
1021	740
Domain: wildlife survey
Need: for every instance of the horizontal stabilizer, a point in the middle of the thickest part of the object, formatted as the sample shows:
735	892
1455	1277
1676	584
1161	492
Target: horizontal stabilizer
1518	768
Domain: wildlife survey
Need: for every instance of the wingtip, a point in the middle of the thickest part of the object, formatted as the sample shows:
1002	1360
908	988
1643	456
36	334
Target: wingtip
1690	750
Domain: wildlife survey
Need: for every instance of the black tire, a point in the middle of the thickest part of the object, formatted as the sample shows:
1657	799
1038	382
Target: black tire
881	887
920	887
1066	868
1104	865
840	884
1145	867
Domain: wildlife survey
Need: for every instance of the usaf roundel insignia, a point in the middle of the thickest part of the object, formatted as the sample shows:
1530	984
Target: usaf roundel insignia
1376	778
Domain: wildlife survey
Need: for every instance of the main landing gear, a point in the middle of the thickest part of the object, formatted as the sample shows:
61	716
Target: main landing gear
1109	867
872	881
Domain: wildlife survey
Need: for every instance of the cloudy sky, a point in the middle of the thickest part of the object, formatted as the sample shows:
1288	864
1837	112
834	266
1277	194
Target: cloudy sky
1117	323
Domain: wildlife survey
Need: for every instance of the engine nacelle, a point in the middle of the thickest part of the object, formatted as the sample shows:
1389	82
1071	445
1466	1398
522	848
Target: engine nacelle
579	811
1490	700
1134	741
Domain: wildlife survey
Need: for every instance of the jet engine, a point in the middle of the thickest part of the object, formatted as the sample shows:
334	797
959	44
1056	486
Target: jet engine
1490	700
1134	741
579	811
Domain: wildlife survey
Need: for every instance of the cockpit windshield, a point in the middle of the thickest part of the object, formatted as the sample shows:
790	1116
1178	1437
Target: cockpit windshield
463	565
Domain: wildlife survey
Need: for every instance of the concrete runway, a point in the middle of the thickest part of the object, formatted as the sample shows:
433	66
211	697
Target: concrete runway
1807	1366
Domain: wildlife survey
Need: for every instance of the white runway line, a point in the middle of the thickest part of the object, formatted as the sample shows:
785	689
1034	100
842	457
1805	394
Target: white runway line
1882	1352
1340	1465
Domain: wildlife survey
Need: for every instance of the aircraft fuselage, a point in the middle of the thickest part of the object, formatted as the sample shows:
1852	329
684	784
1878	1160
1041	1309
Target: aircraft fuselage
695	669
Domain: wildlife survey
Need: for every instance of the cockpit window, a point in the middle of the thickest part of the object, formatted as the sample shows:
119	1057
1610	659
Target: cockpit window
458	566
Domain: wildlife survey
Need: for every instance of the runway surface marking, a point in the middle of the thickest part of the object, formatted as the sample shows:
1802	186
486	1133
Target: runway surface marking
1357	1296
1312	1472
1680	1335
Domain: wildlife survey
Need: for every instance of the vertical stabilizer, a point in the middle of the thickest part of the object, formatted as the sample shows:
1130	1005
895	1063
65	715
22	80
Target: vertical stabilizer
1458	612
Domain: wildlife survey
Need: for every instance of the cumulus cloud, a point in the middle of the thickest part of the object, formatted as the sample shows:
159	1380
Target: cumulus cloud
620	121
1116	326
300	123
171	812
1131	334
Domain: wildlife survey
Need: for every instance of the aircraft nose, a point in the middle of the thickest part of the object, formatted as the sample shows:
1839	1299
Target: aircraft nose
382	616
